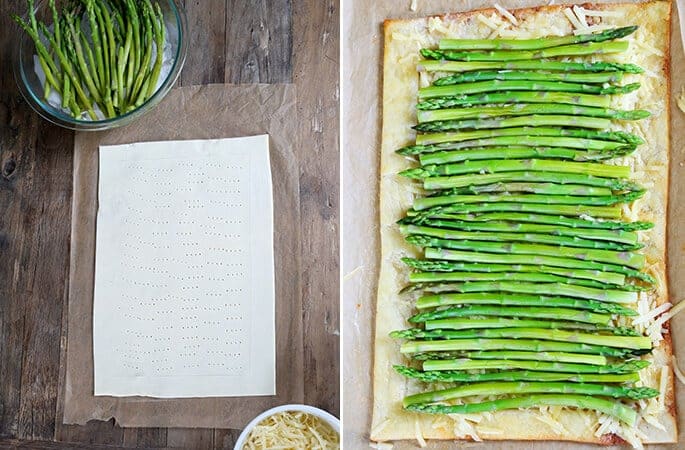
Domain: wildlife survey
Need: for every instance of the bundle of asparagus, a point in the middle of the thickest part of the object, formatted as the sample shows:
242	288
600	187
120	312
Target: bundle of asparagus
527	264
99	55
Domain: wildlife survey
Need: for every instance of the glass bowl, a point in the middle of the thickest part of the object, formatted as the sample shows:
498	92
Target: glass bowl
32	89
327	417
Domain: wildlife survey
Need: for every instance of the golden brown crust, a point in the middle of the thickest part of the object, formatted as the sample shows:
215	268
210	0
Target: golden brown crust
389	420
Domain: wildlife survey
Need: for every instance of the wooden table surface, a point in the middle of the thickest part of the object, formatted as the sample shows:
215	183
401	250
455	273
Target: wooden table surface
232	41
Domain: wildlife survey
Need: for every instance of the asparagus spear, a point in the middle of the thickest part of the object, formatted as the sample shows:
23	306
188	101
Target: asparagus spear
555	261
535	120
543	366
517	97
525	109
512	350
437	328
159	32
612	408
618	138
513	375
521	152
588	48
530	75
479	87
489	166
625	237
526	188
532	64
489	322
468	326
499	236
534	44
519	141
431	278
560	351
605	293
568	222
610	212
608	200
470	179
486	298
629	259
538	312
503	388
434	269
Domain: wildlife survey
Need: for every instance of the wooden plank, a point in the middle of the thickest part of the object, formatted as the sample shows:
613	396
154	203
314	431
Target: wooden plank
316	56
195	438
225	439
94	432
145	437
47	445
36	206
207	52
258	41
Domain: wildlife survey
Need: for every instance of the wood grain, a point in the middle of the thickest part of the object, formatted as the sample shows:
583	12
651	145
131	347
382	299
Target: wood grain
263	52
316	57
232	41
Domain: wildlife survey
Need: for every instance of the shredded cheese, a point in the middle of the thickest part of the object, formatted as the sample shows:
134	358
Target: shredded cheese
655	328
573	19
678	373
487	22
596	13
663	384
292	429
644	318
509	16
580	15
419	435
413	5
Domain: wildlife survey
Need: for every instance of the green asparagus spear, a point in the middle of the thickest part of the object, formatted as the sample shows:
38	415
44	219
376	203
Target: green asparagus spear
629	259
609	212
618	138
516	375
535	120
529	75
538	312
543	366
517	97
526	109
569	222
521	152
499	236
534	44
613	408
433	270
533	64
486	298
555	261
480	87
503	388
625	237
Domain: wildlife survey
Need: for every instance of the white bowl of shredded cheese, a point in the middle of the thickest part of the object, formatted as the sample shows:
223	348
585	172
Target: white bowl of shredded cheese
291	426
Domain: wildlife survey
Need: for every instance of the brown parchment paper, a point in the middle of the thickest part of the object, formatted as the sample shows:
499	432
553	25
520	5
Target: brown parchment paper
362	78
198	112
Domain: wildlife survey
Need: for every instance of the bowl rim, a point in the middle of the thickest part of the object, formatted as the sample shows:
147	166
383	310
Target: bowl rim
60	118
329	418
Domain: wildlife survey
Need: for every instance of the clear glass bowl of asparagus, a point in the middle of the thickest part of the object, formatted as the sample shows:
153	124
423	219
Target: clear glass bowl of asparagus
97	64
